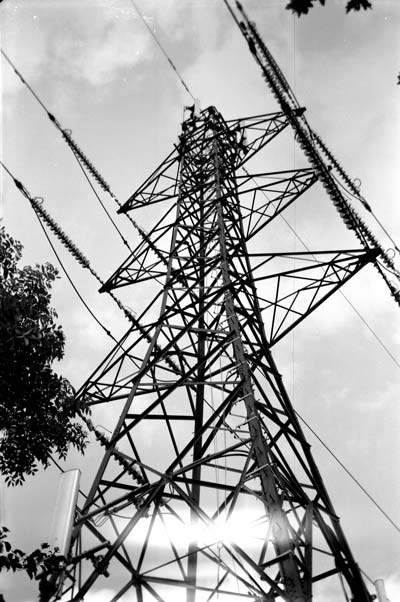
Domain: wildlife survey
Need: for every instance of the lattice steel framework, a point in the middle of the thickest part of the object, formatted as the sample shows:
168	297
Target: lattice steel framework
195	497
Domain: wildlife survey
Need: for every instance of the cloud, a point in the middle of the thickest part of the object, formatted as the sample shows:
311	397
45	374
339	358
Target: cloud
87	42
95	41
96	54
392	586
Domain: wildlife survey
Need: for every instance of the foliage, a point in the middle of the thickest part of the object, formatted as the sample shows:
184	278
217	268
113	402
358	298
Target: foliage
36	405
38	564
12	559
301	7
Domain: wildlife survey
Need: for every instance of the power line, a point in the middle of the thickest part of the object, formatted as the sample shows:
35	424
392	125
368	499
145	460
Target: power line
157	41
13	67
82	159
357	482
84	303
83	261
41	213
356	311
67	137
353	189
377	338
102	204
295	115
73	284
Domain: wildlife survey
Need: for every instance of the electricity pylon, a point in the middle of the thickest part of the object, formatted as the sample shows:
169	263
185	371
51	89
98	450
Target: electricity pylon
196	497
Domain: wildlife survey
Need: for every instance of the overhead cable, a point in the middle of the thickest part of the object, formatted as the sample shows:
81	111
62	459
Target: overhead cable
157	41
356	481
83	160
44	216
356	311
286	98
67	137
127	463
102	204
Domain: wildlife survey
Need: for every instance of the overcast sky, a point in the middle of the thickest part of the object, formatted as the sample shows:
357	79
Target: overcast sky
98	71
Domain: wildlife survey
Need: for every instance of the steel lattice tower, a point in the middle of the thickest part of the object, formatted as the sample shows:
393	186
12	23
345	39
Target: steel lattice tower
195	497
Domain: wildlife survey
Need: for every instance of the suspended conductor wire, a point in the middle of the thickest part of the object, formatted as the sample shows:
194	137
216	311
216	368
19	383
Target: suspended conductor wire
351	189
360	316
81	157
289	103
72	283
67	138
234	17
385	231
102	204
85	263
157	41
356	481
23	80
20	187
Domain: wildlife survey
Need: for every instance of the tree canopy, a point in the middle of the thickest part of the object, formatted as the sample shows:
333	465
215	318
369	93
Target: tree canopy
36	405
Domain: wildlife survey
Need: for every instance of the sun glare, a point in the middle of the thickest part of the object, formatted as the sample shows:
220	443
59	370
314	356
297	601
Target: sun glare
241	529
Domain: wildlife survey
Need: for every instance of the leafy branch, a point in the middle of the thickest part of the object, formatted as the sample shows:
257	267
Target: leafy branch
37	565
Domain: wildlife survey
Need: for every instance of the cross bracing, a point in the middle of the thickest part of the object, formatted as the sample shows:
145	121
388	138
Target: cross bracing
195	497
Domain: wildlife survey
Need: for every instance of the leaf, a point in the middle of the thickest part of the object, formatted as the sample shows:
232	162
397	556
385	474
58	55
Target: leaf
300	7
357	5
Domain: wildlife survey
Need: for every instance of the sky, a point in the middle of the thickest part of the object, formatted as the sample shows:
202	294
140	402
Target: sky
98	70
